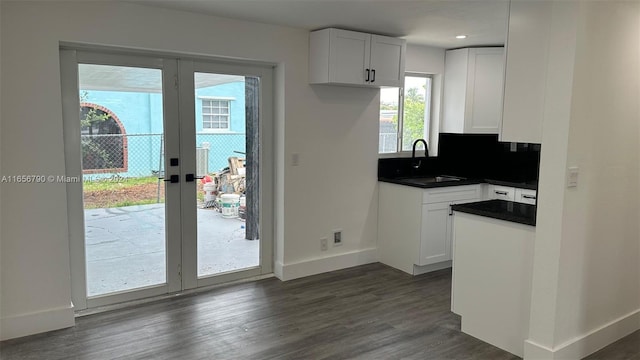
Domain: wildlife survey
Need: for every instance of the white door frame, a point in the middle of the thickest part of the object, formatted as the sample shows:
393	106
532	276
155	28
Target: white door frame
178	100
187	69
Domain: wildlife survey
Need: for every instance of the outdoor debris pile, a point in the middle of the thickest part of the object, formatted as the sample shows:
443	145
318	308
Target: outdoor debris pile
230	180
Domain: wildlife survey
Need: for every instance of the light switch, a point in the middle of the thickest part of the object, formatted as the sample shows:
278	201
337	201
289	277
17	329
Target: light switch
295	159
572	177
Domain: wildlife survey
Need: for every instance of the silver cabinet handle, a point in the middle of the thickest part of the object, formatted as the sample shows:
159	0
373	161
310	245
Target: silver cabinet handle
501	192
529	197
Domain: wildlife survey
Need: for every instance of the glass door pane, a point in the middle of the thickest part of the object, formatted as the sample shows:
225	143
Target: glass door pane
226	110
122	138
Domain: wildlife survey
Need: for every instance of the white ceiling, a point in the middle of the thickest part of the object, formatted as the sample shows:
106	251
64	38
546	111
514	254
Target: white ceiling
123	78
425	22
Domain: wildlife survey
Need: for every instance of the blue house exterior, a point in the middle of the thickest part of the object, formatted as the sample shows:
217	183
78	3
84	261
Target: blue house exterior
140	119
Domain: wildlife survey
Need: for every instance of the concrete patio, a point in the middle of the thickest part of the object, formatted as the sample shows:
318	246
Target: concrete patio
125	247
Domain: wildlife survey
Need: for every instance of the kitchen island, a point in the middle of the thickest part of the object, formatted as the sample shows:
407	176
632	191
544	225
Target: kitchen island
493	244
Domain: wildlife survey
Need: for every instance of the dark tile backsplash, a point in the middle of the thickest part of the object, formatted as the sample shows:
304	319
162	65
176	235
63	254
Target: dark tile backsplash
468	155
402	167
479	156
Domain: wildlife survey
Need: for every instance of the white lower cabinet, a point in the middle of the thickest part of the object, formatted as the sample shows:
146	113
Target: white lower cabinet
492	277
511	194
414	225
501	192
525	196
435	234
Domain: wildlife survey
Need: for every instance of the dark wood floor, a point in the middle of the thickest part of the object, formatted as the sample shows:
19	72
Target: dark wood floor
368	312
627	348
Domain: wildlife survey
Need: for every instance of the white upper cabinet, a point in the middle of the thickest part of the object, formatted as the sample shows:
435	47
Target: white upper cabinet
526	69
473	86
345	57
387	61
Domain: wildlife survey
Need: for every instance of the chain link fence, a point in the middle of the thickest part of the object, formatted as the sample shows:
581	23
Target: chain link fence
142	155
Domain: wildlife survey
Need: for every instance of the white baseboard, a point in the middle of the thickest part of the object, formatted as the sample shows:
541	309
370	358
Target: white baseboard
37	322
419	270
587	344
534	351
277	269
310	267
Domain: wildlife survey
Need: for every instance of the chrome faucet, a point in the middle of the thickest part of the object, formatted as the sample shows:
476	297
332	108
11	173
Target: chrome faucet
417	164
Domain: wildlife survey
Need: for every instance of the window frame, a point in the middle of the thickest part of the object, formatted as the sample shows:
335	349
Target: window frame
211	99
400	134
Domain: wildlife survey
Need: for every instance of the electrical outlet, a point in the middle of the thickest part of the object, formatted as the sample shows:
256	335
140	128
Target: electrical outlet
337	237
572	177
324	244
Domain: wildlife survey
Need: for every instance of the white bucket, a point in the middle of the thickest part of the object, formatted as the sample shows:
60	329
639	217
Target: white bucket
209	189
230	204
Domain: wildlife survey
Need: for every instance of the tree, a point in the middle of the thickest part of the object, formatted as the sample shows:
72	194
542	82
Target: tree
95	153
388	107
413	117
89	116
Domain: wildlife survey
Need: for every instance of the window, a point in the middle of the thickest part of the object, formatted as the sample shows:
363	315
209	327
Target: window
215	114
405	113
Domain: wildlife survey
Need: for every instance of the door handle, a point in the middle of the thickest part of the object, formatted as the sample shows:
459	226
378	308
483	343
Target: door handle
368	72
191	177
373	75
173	179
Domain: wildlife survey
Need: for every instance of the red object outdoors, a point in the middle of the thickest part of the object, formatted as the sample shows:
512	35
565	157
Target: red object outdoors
206	179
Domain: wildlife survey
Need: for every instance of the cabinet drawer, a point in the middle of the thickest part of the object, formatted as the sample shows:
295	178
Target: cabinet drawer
451	194
502	192
526	196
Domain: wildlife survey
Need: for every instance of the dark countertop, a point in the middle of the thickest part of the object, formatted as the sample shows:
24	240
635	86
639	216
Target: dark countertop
531	185
501	209
404	181
428	185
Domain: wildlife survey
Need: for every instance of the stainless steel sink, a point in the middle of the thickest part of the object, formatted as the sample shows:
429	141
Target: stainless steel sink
448	178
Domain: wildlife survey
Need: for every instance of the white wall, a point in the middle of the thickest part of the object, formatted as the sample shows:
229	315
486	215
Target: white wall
429	60
586	290
1	172
334	129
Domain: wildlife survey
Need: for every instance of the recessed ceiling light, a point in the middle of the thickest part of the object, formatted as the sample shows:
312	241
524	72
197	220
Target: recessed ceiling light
461	36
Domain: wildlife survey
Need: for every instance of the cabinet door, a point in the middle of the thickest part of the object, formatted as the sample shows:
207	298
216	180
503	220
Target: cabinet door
435	236
526	69
349	56
483	108
387	61
455	90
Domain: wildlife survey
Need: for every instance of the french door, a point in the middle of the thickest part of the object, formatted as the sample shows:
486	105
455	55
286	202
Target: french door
175	157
